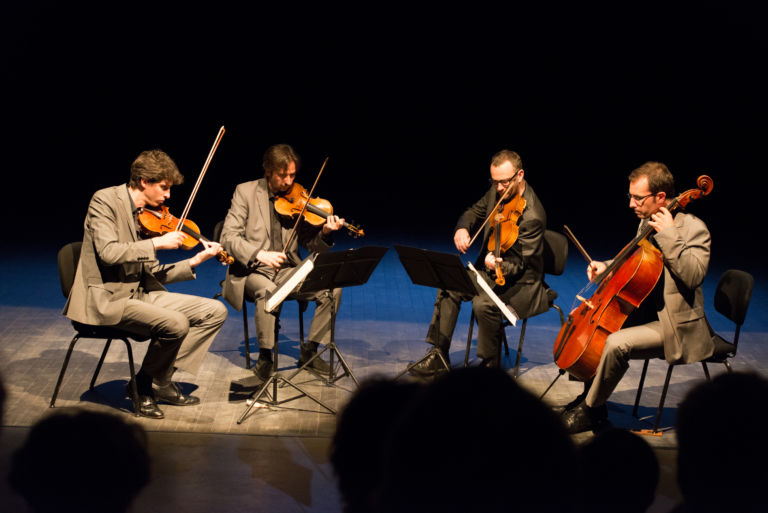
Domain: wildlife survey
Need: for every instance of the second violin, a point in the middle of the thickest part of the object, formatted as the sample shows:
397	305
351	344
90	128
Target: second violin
292	202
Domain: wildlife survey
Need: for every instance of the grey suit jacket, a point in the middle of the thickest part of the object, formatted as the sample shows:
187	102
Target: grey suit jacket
686	249
247	229
114	260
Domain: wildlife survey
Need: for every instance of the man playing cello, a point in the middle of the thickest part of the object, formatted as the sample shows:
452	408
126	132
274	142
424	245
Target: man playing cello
678	331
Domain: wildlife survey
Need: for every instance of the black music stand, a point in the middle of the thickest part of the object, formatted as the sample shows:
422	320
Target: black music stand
443	271
338	269
274	377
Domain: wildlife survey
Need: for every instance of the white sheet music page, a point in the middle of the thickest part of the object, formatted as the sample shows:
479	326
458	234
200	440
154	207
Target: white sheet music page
510	314
297	275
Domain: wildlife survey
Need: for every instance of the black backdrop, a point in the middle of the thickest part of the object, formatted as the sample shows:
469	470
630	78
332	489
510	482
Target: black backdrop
409	103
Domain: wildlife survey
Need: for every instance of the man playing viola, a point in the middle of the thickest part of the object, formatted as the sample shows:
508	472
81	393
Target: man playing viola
119	283
255	235
670	322
522	266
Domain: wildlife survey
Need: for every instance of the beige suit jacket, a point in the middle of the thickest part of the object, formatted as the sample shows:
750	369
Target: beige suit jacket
686	251
247	230
113	261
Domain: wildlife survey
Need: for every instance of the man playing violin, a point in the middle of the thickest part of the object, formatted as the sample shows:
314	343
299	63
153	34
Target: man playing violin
119	283
522	265
255	235
670	322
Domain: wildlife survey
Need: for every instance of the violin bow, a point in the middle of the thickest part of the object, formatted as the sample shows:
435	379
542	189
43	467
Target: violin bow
200	178
301	214
495	208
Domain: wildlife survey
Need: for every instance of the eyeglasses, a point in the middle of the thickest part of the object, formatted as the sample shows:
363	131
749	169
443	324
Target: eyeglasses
639	199
504	182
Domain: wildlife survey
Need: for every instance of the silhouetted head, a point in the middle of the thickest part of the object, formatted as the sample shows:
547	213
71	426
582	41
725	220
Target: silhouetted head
81	461
722	448
363	426
476	441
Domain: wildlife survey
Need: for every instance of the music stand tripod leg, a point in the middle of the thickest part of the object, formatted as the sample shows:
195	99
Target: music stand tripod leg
274	377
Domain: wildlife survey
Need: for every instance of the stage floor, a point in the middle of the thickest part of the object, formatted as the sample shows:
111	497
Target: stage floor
278	455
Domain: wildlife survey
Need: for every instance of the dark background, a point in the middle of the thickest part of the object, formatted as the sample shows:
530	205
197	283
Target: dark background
409	102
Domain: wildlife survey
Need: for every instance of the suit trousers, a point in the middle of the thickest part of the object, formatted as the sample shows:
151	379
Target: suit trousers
257	285
489	318
181	328
635	343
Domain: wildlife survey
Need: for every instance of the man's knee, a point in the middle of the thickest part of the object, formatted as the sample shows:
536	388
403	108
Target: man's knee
175	327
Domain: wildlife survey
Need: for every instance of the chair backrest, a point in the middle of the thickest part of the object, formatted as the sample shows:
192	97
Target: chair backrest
733	293
217	231
69	255
555	252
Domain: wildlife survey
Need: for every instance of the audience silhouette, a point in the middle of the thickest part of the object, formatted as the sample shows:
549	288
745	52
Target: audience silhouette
363	426
624	468
722	446
474	440
81	461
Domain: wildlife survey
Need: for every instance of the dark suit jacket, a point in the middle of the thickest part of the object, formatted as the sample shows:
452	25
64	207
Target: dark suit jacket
114	260
247	230
523	264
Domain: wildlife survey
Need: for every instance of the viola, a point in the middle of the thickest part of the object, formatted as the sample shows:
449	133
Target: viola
621	288
161	221
505	230
296	202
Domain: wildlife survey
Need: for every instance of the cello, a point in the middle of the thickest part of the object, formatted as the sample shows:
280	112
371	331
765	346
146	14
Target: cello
621	288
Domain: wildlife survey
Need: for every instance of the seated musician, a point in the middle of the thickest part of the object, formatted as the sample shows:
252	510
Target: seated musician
255	235
119	283
677	330
522	266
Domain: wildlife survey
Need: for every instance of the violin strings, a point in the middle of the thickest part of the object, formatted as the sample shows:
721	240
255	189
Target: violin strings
301	214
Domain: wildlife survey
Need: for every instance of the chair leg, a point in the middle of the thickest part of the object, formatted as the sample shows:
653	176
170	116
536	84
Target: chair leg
706	370
469	338
663	398
640	388
519	348
63	369
101	362
728	366
246	337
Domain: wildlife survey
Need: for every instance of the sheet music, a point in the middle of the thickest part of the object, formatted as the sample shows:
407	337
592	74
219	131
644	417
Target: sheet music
294	280
510	314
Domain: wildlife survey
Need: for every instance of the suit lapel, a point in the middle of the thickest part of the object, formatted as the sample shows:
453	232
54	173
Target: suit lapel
262	200
126	209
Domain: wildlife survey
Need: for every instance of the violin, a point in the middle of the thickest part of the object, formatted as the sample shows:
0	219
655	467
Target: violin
505	230
296	201
621	288
161	221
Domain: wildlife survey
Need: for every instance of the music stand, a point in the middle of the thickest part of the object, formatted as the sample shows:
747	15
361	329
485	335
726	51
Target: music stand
338	269
280	294
443	271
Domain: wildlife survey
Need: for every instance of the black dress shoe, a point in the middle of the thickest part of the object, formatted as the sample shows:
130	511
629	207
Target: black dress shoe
144	405
432	364
262	369
583	418
171	394
318	365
